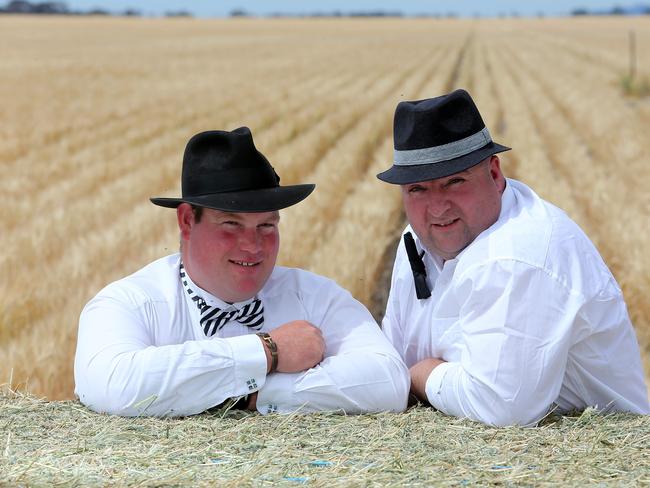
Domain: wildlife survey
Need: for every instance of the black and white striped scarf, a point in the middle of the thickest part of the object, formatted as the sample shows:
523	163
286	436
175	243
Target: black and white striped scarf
214	318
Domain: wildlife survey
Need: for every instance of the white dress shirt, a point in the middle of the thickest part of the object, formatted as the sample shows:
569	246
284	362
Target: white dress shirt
526	316
141	350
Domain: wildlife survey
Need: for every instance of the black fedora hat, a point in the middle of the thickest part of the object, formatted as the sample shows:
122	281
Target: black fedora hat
438	137
223	170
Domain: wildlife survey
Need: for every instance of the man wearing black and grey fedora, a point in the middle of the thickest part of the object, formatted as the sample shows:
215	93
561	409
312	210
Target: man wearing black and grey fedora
221	321
499	304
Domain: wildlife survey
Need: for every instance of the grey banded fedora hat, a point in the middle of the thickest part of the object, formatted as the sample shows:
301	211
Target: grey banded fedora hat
438	137
223	170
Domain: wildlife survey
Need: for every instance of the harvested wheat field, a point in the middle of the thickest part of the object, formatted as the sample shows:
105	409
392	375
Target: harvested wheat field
96	112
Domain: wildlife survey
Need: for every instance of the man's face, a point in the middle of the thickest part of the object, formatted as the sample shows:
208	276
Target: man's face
448	213
231	255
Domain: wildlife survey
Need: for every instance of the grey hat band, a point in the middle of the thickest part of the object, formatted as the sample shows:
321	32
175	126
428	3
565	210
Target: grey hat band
445	152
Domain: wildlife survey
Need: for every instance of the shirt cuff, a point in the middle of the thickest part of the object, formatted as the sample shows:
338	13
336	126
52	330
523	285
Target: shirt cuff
434	385
277	395
250	363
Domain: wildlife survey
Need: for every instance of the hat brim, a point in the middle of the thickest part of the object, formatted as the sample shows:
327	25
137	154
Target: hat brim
262	200
403	175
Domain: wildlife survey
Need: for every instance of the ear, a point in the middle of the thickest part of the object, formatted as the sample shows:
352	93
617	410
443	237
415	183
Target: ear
185	218
496	174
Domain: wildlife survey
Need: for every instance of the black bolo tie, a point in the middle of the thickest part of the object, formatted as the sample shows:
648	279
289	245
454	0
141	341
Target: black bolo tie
417	267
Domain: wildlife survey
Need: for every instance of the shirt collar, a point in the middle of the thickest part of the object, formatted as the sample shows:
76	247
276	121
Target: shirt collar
508	202
209	298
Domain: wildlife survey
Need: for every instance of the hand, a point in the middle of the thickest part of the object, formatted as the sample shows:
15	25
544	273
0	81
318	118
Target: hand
252	402
300	346
420	374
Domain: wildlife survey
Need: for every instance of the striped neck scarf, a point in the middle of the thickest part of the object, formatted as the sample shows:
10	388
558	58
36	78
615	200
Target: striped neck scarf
213	318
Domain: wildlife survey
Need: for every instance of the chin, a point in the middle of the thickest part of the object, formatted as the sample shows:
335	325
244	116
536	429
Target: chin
244	293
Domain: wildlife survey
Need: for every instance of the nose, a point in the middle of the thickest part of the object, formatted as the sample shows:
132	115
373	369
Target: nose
437	205
250	241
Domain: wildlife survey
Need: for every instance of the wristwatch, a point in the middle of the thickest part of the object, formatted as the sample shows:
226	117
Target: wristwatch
273	349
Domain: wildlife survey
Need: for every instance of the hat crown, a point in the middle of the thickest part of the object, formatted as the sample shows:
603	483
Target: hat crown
224	171
436	121
225	161
438	137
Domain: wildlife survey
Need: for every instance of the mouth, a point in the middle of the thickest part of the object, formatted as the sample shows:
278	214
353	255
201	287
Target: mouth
446	224
246	264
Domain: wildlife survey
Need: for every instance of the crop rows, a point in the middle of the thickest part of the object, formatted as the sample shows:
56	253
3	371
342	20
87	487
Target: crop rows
96	113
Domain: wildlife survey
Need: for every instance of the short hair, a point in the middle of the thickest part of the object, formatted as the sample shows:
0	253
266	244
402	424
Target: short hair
198	213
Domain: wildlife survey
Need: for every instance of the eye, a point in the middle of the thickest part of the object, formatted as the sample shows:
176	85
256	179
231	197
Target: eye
455	181
267	227
415	189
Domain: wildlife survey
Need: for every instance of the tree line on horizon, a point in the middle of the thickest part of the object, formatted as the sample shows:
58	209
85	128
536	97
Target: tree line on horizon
61	8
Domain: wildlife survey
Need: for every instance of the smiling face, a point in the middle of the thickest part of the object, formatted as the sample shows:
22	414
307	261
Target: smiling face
448	213
230	255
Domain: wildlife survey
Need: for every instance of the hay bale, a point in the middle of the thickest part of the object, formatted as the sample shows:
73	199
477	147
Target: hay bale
46	443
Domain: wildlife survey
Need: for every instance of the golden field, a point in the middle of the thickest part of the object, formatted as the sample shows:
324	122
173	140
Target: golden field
96	112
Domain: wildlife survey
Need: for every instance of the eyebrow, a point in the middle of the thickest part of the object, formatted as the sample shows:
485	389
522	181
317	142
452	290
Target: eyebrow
237	216
226	215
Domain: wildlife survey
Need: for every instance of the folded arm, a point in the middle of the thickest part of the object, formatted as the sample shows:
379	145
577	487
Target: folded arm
516	331
361	372
118	369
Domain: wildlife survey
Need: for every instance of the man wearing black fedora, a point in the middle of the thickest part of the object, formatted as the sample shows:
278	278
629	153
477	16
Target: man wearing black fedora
499	304
220	321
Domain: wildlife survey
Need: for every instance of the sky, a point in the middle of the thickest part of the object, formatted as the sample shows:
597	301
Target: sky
462	8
